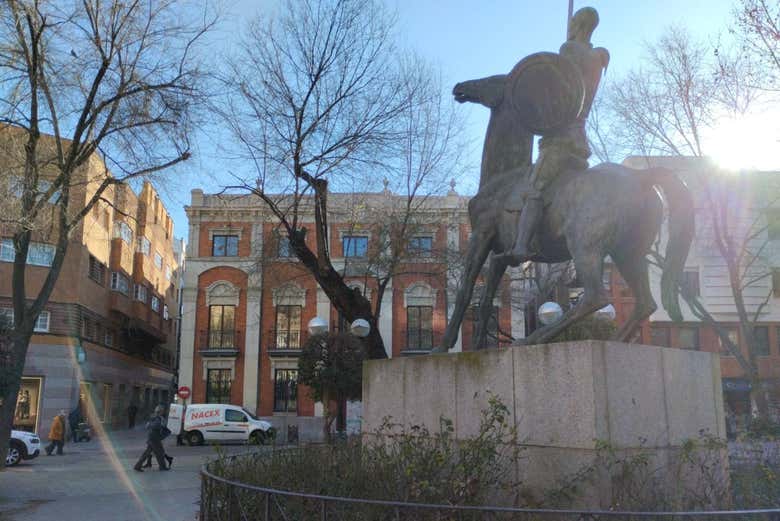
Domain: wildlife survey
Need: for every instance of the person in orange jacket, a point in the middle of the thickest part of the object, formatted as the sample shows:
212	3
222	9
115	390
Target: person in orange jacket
56	434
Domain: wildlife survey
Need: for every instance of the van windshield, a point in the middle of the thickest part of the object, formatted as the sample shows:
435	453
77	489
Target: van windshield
249	414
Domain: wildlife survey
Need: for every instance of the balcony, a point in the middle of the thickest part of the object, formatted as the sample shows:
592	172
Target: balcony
284	342
219	342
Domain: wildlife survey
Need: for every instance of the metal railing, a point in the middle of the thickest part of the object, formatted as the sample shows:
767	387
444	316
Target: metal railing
223	499
285	339
219	339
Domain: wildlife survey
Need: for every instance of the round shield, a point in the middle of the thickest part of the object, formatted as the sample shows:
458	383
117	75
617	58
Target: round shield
547	91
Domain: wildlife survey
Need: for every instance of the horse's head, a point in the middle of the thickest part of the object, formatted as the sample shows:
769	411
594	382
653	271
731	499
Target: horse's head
485	91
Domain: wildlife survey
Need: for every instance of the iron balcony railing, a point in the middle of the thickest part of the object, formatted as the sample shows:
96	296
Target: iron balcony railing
285	340
219	339
223	499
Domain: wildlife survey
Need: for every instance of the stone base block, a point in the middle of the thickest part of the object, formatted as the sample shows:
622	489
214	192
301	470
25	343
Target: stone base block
563	398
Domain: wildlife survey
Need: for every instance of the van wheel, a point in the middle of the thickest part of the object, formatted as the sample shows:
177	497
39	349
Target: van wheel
257	438
194	438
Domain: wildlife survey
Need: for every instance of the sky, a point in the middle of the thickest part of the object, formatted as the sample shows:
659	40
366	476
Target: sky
469	40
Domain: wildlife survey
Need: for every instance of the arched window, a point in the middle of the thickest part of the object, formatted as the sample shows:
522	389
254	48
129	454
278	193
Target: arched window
419	300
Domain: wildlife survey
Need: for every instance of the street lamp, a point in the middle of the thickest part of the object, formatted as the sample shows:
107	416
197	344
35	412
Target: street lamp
360	328
549	312
317	326
606	313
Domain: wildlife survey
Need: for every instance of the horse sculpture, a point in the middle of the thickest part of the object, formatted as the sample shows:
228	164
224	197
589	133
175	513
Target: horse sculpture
608	209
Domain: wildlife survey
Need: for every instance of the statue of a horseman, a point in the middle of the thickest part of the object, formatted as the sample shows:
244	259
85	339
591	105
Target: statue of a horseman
558	209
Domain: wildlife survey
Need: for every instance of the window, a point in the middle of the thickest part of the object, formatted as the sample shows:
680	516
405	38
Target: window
168	272
690	282
97	270
284	250
166	315
7	317
761	340
88	328
222	326
158	260
492	329
122	231
108	338
225	246
218	383
659	336
285	390
120	283
419	327
27	405
733	335
688	338
144	246
42	322
421	246
140	293
155	303
354	246
40	254
234	416
288	327
7	250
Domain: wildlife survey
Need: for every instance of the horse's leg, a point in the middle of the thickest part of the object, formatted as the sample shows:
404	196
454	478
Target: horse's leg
479	246
589	266
495	272
634	268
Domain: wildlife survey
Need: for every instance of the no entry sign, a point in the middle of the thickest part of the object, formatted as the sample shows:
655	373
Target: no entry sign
184	392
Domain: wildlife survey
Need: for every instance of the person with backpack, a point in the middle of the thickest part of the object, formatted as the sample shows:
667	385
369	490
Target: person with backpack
156	432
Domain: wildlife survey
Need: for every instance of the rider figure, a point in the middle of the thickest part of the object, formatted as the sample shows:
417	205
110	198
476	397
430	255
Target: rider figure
565	149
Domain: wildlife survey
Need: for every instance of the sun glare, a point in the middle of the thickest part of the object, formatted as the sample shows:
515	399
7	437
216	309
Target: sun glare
748	142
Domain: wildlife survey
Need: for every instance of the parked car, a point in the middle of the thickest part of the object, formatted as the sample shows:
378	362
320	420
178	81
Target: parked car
223	423
23	445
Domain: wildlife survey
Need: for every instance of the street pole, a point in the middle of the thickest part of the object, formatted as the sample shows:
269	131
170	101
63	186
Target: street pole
568	18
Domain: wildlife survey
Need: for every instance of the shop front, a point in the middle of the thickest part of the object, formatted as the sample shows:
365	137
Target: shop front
28	403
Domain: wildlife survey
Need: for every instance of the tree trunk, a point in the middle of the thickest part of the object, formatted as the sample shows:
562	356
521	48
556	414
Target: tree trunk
12	368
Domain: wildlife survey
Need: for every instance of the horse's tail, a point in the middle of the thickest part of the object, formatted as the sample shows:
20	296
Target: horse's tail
681	231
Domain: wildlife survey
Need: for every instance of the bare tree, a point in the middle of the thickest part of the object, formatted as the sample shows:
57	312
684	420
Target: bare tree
85	87
321	102
758	29
666	107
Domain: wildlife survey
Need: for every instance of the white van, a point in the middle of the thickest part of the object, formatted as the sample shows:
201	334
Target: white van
223	423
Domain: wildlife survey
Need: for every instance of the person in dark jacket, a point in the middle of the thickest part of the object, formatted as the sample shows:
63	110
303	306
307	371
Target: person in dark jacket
74	418
154	437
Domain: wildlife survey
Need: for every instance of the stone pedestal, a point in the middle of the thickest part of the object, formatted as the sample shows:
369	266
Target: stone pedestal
564	399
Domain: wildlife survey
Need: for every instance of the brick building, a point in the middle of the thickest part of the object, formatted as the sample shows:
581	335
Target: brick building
753	200
106	337
246	300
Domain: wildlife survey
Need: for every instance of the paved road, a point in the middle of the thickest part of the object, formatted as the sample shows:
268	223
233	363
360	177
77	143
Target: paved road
95	481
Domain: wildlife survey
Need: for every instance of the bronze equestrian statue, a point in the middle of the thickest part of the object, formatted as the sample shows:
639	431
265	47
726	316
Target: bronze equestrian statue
566	210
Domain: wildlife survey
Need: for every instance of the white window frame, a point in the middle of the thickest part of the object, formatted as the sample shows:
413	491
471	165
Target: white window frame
36	250
141	293
168	272
42	322
158	260
108	337
155	303
166	314
144	245
8	312
115	286
7	252
123	231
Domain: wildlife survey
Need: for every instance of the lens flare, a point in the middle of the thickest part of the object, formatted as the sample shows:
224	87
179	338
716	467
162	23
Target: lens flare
745	142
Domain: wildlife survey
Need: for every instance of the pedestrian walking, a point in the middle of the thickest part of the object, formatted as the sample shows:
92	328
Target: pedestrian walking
132	410
74	418
155	432
56	434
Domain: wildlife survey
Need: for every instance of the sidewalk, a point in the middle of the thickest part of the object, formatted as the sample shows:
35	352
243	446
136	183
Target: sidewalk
94	481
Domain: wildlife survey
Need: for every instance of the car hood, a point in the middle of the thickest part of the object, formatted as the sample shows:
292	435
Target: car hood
262	424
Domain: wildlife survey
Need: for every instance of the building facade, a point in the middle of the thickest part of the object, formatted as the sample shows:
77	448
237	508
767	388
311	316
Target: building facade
247	301
750	206
105	339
